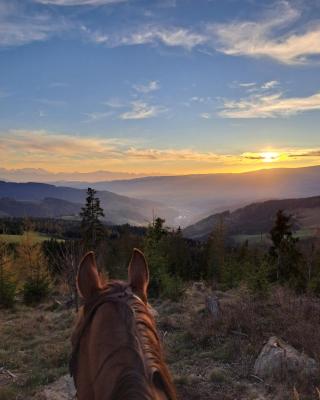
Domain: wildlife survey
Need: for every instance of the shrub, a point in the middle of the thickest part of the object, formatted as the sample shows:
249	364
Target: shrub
171	287
7	292
7	285
257	279
35	290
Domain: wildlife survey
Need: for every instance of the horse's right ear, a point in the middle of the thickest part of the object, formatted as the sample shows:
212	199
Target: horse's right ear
88	280
138	274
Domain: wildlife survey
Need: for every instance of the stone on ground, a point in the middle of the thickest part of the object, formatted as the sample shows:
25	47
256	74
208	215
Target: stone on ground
278	361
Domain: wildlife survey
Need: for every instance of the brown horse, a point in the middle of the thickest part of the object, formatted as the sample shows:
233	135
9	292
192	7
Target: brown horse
117	353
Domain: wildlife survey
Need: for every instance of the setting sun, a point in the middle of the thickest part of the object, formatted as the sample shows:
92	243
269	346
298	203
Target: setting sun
270	156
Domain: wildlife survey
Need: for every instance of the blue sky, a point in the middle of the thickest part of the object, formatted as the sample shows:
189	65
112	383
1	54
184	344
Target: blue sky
159	86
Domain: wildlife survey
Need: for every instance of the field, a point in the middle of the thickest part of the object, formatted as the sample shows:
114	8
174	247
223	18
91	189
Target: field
209	360
264	238
36	238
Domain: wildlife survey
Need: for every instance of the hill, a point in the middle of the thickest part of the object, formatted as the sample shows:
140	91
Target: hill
44	199
197	196
258	218
46	208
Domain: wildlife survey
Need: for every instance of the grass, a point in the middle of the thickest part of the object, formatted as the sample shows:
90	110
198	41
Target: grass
36	349
209	360
36	238
264	238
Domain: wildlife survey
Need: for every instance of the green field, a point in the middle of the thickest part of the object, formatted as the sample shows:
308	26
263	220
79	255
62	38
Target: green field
36	238
264	238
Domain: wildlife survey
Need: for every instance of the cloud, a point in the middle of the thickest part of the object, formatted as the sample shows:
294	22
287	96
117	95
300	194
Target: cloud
19	28
205	115
142	110
53	103
149	87
269	106
114	103
281	155
58	84
41	146
266	38
246	84
171	37
269	85
173	155
79	2
97	116
307	153
68	152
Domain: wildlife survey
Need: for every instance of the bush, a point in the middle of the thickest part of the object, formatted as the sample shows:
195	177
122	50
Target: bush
35	290
171	287
7	293
257	279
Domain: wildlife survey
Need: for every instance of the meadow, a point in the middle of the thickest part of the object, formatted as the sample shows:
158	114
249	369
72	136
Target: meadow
209	359
210	356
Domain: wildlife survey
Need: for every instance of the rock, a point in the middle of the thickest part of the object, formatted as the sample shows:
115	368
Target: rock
213	306
62	389
279	361
199	286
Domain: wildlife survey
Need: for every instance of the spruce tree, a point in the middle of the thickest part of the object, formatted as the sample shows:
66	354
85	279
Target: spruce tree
91	226
284	250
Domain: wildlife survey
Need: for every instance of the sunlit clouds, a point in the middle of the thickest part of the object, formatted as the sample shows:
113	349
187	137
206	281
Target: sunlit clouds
60	152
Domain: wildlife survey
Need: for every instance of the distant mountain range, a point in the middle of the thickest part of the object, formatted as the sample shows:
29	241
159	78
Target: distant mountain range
46	208
38	199
197	196
43	176
258	218
181	200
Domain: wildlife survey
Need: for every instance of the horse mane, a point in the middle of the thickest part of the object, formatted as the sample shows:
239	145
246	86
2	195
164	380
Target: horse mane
143	341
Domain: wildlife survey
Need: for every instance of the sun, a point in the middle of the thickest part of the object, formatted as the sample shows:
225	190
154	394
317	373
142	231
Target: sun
269	156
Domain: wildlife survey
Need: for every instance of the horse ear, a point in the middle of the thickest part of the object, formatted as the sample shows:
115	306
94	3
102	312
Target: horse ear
88	280
138	273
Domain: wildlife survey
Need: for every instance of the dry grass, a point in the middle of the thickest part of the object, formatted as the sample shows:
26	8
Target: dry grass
34	349
209	360
222	354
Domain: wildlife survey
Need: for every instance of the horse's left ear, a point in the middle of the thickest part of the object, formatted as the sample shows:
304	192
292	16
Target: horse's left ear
138	273
88	280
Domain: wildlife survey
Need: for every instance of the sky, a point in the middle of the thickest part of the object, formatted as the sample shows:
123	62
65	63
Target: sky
149	87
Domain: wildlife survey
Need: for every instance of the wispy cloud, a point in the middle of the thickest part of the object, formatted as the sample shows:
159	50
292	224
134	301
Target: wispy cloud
142	110
53	103
97	116
114	103
38	149
269	85
266	37
58	84
42	146
147	88
150	34
79	2
205	115
281	154
268	106
246	84
19	28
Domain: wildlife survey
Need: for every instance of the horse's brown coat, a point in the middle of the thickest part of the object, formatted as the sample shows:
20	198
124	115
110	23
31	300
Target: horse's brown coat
117	353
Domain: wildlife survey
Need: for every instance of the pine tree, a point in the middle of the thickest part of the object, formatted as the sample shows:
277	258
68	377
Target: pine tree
91	226
284	249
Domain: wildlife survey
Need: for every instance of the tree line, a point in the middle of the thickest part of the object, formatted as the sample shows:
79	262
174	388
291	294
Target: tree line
34	269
